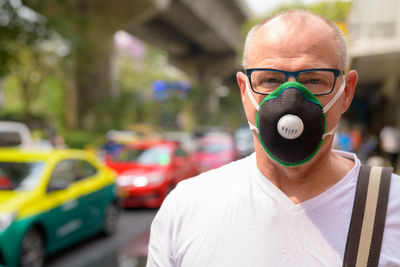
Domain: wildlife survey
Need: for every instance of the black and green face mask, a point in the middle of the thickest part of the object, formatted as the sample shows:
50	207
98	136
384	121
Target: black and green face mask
291	123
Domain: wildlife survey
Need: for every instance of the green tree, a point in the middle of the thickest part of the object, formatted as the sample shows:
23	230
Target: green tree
18	25
135	83
89	27
34	87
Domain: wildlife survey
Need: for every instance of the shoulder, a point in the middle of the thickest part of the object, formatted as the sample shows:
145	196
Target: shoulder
228	176
393	209
391	235
394	195
208	188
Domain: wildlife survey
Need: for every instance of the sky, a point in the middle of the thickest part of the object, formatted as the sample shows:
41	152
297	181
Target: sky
261	7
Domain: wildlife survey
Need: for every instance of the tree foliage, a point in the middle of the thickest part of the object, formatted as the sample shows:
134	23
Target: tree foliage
19	25
34	86
135	82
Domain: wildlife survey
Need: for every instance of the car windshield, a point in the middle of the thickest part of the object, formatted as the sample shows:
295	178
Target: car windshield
244	133
20	175
10	138
156	155
215	147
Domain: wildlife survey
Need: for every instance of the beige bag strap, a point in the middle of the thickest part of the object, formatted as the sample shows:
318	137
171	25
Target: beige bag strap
367	224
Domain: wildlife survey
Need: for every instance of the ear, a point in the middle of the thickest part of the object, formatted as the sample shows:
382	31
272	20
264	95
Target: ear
241	81
351	82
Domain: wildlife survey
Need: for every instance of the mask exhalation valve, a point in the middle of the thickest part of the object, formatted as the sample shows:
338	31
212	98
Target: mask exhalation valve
290	126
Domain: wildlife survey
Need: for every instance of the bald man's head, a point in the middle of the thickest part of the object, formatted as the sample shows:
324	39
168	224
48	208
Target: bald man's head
295	24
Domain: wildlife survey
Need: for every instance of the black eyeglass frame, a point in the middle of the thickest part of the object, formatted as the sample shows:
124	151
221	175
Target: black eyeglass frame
295	74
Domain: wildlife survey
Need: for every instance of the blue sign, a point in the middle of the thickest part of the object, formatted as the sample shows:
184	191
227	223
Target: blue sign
162	90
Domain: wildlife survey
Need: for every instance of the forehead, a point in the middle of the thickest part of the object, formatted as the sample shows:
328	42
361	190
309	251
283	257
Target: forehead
307	41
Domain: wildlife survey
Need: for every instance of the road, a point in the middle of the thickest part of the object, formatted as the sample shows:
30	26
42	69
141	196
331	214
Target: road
127	248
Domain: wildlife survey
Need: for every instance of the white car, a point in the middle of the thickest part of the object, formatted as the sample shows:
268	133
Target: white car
15	134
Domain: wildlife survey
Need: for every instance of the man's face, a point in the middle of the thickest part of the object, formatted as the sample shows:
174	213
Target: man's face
294	47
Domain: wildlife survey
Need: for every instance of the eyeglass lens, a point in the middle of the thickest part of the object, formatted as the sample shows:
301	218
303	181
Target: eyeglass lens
317	82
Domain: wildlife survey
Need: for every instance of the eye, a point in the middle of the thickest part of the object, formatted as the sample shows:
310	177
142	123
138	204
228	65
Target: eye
272	81
315	81
316	78
265	81
271	78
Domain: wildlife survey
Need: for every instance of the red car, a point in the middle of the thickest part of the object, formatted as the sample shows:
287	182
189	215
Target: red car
147	171
215	150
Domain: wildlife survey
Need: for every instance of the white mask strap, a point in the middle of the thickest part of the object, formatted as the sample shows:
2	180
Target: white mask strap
330	104
255	104
252	99
331	132
335	98
252	127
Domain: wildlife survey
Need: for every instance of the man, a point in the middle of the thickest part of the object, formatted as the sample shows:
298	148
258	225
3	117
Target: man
289	203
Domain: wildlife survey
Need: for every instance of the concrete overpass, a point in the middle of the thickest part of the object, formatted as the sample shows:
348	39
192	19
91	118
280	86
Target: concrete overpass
202	38
374	49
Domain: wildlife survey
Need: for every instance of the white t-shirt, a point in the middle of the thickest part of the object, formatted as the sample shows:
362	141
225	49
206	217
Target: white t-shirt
234	216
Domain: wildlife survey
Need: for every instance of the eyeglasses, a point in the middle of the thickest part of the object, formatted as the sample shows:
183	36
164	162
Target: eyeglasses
318	81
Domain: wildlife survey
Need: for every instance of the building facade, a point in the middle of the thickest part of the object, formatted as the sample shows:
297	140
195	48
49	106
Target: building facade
374	50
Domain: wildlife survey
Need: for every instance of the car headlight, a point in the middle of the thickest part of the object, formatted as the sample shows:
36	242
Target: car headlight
156	178
6	219
124	180
139	181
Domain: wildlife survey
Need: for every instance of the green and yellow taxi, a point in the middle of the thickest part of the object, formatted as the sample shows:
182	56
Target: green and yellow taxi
50	200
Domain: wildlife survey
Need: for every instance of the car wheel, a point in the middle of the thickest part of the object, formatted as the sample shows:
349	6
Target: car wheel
110	219
32	249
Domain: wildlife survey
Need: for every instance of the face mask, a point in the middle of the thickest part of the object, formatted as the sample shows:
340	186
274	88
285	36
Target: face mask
291	123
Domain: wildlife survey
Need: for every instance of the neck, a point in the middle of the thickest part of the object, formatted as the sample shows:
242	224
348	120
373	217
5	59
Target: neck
306	181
